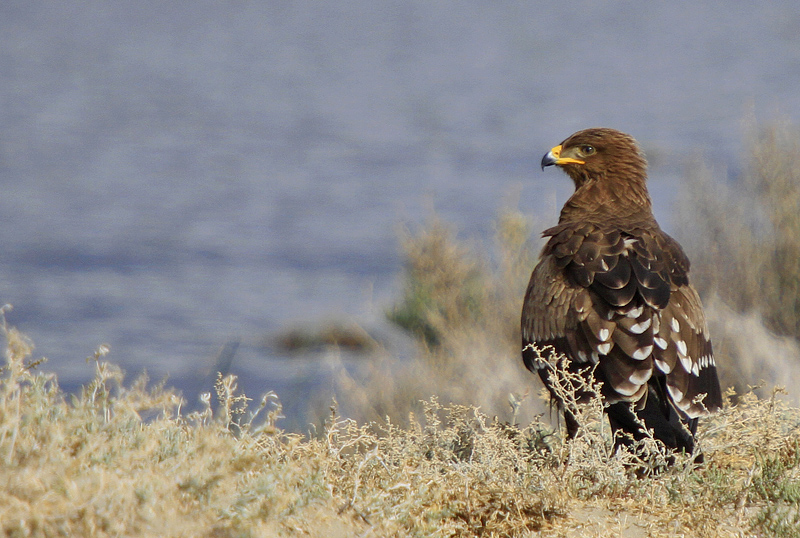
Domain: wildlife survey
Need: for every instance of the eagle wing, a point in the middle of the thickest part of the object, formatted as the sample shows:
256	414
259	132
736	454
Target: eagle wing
620	300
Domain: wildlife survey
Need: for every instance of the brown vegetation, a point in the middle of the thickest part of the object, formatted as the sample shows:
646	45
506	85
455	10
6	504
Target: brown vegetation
121	460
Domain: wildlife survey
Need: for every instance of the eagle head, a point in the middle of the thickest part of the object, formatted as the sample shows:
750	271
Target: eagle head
598	153
609	171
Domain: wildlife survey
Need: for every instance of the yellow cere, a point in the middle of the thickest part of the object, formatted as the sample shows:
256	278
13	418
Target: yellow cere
556	152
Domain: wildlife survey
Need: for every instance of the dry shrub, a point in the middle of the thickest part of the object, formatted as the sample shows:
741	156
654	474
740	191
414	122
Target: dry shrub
749	354
116	460
455	474
444	283
450	285
718	231
743	237
119	460
774	176
464	309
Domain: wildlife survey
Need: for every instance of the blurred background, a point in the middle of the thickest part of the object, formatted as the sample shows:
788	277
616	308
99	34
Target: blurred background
180	176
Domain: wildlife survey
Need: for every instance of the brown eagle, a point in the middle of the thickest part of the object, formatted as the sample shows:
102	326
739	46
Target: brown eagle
611	293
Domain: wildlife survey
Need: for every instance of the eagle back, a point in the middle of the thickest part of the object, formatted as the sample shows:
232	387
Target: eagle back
617	264
627	306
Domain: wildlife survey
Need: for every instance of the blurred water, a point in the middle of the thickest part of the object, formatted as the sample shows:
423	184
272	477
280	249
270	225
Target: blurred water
178	174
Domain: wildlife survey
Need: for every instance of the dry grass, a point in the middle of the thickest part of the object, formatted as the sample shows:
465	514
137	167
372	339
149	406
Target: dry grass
121	460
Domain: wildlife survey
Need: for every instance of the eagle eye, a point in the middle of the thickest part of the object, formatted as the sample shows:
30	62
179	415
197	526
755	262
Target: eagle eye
587	150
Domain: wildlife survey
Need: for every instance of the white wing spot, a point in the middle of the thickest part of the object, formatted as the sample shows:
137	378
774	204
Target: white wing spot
604	349
663	366
603	335
676	394
642	353
636	312
628	391
707	361
641	327
686	362
682	350
640	377
676	326
660	342
695	369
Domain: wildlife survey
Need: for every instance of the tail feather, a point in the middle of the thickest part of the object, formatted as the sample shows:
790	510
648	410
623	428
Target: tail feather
659	417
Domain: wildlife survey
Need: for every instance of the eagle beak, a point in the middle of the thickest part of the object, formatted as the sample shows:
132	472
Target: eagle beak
554	157
551	157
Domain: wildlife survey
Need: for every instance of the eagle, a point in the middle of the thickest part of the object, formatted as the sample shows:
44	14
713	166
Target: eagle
610	301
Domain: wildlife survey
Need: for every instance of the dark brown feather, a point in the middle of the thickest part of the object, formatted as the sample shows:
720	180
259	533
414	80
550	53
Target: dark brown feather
612	289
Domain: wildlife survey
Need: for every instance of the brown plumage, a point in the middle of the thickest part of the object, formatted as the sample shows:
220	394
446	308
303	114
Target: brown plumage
611	292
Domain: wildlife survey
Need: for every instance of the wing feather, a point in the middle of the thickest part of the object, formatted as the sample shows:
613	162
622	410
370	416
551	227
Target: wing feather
622	299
